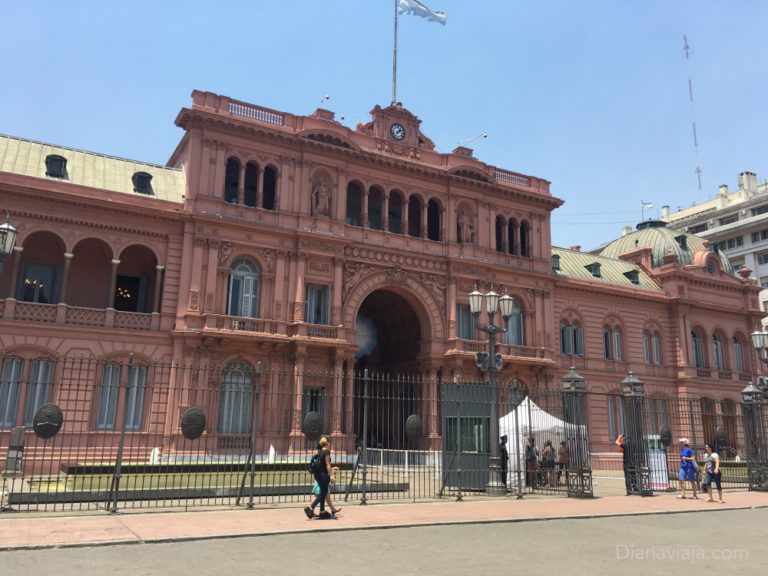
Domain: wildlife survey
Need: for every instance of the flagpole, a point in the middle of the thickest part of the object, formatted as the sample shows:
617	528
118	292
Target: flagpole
394	62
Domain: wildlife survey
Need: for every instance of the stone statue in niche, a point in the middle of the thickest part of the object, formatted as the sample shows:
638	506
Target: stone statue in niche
321	199
466	227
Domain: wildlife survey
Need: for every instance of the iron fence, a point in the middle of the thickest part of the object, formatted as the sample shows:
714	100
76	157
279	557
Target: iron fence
82	434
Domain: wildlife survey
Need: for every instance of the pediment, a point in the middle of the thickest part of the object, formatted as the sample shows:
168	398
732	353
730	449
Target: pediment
326	137
472	173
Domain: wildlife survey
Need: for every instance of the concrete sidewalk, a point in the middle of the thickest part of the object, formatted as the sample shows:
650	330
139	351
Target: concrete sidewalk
18	531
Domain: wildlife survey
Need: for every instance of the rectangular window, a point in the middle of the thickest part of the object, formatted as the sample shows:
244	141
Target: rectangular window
656	341
729	220
762	259
37	388
615	416
465	323
110	388
474	435
514	333
755	237
738	359
607	343
134	397
317	304
759	210
764	234
698	228
617	345
9	391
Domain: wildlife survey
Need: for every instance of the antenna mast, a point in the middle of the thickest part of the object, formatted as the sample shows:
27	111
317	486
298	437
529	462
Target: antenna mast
687	50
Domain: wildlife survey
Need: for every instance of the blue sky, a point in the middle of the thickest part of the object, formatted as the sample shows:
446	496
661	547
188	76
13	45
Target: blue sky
589	94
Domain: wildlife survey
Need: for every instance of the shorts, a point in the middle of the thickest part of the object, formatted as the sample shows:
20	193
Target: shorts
716	478
688	474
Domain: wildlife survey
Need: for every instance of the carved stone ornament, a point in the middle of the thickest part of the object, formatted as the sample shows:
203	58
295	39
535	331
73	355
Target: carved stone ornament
312	426
225	250
414	427
47	421
193	423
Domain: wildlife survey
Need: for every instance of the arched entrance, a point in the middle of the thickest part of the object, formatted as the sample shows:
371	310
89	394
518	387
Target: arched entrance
388	334
388	386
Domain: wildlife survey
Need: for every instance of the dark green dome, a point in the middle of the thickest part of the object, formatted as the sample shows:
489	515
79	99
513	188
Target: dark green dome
655	235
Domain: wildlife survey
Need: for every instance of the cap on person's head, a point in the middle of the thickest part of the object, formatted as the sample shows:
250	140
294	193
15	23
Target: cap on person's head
684	441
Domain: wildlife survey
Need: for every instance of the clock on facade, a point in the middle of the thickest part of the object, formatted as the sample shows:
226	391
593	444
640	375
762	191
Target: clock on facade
397	131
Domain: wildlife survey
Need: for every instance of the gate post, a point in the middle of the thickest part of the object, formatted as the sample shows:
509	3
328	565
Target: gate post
578	468
755	437
636	471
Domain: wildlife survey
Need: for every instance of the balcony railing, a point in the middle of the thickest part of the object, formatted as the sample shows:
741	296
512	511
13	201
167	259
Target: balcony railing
503	349
61	313
242	324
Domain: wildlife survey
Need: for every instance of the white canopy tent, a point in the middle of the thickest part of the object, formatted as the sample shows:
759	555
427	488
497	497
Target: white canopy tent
532	420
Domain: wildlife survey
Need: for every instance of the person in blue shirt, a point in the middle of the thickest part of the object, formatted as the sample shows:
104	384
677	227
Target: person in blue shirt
687	471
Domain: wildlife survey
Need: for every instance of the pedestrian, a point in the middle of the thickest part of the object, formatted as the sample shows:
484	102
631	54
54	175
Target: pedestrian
621	443
504	456
531	463
323	474
687	471
562	461
548	456
712	473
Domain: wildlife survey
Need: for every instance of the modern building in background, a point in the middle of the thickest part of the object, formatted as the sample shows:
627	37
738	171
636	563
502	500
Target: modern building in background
304	246
735	224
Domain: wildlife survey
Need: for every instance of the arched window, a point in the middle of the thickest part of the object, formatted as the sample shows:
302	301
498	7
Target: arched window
717	351
354	204
515	334
656	347
571	338
244	284
607	343
646	347
612	343
512	237
500	231
375	208
251	184
525	239
738	355
618	352
269	193
578	339
433	220
395	210
414	216
698	349
231	180
708	420
234	413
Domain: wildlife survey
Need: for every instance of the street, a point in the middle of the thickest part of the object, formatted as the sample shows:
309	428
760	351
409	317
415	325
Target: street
726	542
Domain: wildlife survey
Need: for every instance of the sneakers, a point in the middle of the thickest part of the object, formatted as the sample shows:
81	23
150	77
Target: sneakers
324	515
309	512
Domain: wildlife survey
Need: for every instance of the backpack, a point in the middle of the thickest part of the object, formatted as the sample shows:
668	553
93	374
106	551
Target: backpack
314	465
551	454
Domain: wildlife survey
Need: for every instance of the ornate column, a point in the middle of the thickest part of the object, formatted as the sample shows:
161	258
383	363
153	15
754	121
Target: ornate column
404	212
65	277
424	220
450	304
17	250
210	281
338	287
296	435
195	280
364	223
299	296
113	283
241	185
158	283
337	394
385	213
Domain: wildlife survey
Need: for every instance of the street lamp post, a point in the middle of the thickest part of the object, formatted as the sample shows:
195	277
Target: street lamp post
7	239
489	361
760	343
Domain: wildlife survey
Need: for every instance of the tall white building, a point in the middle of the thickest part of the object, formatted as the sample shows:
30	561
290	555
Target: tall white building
734	223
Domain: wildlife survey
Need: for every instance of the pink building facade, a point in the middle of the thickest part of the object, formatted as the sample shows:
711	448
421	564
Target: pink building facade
302	246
